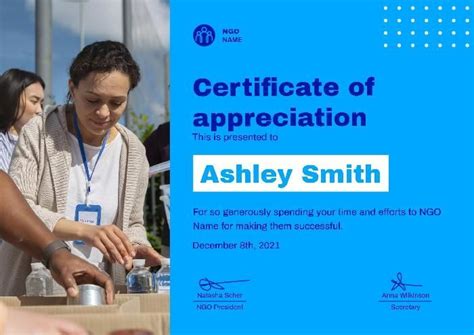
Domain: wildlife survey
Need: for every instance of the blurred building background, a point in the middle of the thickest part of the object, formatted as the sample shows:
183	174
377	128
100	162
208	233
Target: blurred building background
76	23
79	22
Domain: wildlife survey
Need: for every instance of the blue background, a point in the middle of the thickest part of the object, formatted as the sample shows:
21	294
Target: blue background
421	115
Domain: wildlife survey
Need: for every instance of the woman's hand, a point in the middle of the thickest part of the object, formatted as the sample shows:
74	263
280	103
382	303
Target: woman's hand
150	255
111	241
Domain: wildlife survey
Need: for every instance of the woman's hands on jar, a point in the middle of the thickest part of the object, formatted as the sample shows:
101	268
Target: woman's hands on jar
150	255
112	242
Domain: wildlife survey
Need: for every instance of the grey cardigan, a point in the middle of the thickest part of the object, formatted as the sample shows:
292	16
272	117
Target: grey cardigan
40	168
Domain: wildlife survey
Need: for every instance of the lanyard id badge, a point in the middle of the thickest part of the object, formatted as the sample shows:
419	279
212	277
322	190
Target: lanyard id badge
88	173
87	214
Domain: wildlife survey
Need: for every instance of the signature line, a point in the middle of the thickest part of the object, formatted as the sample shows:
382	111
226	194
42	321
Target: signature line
399	283
405	300
219	300
207	285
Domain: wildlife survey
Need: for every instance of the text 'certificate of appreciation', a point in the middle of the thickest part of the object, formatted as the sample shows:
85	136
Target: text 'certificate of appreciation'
322	167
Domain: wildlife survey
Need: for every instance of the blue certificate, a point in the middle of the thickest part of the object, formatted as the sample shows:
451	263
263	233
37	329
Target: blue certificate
322	167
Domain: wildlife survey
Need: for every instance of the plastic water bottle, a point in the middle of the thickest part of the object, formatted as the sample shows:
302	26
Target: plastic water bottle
139	280
162	277
39	282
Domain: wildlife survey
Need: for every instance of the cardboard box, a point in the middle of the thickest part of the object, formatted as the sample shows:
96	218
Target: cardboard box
129	311
136	303
149	303
10	301
57	305
129	306
42	301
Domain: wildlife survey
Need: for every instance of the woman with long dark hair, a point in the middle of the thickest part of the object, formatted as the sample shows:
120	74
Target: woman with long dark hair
21	97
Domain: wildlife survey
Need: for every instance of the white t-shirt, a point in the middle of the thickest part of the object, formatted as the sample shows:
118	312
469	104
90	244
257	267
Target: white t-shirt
104	188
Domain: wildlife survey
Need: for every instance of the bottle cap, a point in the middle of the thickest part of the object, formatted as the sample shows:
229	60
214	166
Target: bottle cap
37	266
165	261
138	262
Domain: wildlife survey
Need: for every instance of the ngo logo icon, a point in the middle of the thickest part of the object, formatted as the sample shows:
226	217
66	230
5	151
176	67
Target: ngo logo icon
204	35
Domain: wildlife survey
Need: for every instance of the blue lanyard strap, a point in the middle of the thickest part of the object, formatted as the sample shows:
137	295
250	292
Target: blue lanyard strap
83	154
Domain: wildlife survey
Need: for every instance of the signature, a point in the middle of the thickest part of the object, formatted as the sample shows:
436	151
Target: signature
399	283
207	285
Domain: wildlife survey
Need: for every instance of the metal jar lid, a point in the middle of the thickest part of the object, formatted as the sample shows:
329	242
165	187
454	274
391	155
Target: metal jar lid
89	295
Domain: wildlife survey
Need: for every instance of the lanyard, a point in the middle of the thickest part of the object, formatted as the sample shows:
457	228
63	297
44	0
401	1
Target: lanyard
84	158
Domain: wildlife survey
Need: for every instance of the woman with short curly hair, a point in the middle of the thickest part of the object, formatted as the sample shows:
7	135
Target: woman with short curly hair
83	173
